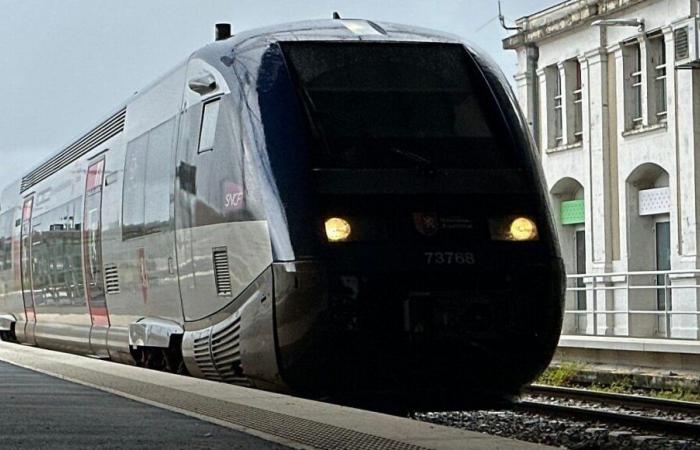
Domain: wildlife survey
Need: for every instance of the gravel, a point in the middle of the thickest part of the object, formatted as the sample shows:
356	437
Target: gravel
571	434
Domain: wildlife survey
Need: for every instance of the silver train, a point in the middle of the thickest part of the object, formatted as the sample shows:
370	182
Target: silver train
330	208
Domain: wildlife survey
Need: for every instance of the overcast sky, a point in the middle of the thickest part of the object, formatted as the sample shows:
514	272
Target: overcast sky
65	64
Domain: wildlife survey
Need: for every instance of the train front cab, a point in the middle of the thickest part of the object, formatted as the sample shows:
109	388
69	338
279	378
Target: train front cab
430	266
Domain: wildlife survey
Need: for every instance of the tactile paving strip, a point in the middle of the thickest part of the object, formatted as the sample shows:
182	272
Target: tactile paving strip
299	430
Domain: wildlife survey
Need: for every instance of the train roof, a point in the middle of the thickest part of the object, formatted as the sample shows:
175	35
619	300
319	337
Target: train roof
339	29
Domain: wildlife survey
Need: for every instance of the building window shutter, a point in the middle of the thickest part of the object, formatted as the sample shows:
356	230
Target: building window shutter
572	212
654	201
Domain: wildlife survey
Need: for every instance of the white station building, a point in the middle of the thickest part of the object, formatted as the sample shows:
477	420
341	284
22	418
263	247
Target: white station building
611	89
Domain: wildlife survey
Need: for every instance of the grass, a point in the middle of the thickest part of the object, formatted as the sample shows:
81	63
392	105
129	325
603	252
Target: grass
626	387
677	393
623	385
561	375
564	375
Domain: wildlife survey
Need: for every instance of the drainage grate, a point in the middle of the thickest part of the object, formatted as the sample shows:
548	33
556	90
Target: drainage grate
222	276
111	279
296	429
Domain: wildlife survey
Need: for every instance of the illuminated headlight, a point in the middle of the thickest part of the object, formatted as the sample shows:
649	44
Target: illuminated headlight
523	229
517	229
337	229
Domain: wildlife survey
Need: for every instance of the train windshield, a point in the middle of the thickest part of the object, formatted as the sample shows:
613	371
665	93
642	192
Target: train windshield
383	105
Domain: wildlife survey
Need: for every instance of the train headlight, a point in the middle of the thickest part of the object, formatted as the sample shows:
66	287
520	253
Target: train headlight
337	229
513	228
523	229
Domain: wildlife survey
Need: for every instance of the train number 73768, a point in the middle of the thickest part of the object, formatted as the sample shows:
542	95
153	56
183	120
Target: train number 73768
459	258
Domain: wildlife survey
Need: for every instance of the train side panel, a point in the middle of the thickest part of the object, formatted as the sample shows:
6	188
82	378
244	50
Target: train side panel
222	235
138	237
56	283
137	270
57	279
11	306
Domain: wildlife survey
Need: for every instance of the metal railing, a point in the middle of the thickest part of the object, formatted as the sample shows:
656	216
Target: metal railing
620	300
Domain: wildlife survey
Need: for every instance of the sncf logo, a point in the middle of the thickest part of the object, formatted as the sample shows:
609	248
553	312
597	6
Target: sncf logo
234	197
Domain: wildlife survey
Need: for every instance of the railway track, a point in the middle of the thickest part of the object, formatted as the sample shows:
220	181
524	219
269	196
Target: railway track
668	417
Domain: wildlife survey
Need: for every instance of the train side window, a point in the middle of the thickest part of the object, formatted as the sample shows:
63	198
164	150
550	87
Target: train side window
6	220
207	131
133	199
57	271
159	178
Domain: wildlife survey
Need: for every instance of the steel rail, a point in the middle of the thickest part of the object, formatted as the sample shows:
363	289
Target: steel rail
630	400
655	424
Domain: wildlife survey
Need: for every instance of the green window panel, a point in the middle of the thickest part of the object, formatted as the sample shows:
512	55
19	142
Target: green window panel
572	212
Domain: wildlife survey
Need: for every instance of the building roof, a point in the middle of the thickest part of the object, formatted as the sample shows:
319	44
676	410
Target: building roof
562	17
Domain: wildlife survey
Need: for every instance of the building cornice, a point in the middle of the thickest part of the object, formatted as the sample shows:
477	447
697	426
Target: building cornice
614	48
596	53
522	76
561	18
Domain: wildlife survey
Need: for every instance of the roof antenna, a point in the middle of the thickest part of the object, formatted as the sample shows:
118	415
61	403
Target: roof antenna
336	16
222	31
503	20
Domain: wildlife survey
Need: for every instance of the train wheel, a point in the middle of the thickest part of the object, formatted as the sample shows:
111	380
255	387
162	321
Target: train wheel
8	336
163	359
174	362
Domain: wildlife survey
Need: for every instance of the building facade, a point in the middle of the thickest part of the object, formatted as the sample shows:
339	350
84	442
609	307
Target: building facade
611	89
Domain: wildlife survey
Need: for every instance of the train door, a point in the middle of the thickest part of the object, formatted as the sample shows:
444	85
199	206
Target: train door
26	270
92	257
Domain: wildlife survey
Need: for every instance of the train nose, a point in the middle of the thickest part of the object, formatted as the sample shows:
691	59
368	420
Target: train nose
377	332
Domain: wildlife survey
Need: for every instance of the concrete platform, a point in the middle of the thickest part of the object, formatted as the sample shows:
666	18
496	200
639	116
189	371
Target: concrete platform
40	411
654	345
662	354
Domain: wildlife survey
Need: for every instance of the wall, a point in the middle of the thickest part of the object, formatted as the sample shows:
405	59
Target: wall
605	161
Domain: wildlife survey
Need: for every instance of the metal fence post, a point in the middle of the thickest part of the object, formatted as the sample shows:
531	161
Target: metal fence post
595	307
667	304
627	303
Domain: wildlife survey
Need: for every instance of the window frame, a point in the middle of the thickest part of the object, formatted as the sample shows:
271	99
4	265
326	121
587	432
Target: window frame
636	83
211	101
657	43
558	106
577	101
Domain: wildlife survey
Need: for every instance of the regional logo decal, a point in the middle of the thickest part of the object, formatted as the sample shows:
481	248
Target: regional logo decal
426	224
